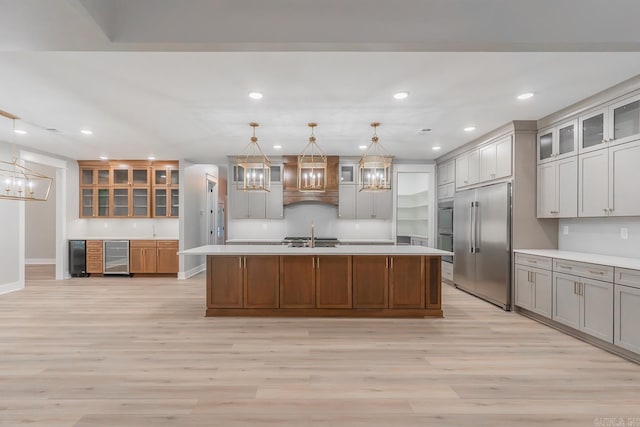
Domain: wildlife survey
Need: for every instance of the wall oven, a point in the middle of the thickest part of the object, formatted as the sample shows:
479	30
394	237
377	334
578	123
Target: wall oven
445	228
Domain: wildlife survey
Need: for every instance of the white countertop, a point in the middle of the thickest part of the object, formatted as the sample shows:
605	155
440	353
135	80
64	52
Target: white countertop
614	261
338	250
123	238
345	241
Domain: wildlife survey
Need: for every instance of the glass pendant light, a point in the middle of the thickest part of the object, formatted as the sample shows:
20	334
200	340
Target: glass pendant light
253	168
374	168
312	166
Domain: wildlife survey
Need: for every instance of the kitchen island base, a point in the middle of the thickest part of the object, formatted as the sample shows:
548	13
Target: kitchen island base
324	285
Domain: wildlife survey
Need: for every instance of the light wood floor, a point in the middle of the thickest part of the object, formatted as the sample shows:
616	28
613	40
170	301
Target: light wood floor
138	352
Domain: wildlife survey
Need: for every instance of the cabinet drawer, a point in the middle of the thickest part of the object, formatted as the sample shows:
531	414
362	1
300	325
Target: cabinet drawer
534	261
94	267
167	244
94	257
94	243
94	250
142	243
582	269
624	276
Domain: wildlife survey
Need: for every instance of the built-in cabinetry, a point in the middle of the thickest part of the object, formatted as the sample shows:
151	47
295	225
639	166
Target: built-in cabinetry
557	191
347	190
597	300
487	163
321	284
446	180
94	257
153	256
256	204
128	189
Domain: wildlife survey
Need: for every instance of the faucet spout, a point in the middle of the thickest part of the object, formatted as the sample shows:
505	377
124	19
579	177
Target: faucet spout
312	243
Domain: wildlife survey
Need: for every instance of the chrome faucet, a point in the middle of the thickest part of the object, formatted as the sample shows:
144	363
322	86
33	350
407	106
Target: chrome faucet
312	243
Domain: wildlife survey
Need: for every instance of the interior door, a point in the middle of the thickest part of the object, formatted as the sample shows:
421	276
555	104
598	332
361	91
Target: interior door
493	243
464	259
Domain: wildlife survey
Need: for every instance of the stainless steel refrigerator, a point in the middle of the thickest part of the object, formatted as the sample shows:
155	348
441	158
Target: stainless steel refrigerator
482	243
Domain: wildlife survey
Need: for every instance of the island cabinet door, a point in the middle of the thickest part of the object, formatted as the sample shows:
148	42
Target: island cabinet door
370	281
261	280
297	281
406	282
333	281
224	276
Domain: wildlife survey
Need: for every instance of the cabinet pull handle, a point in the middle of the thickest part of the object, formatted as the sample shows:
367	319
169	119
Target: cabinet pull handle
532	261
575	288
386	262
392	262
581	288
313	262
317	262
240	262
597	272
566	267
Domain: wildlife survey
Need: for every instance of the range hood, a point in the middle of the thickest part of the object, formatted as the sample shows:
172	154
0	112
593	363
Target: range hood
290	183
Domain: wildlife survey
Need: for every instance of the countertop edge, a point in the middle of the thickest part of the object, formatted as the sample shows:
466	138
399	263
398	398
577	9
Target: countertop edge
610	260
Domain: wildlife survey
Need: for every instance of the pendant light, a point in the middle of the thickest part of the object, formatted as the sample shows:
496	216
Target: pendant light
312	166
253	167
18	182
374	168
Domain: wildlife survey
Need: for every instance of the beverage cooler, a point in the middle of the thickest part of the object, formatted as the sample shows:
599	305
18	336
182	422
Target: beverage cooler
78	258
116	257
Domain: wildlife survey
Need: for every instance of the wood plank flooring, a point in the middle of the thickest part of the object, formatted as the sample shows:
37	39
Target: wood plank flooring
137	352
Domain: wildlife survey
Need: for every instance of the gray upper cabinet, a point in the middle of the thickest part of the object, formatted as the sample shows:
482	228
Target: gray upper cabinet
275	207
256	204
347	201
616	123
247	204
594	131
558	142
374	205
447	172
558	189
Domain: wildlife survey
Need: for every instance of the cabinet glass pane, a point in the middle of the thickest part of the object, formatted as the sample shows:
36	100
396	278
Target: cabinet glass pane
566	139
347	174
103	177
120	202
161	176
103	202
238	174
140	201
121	176
275	174
87	202
593	131
175	202
546	145
626	120
140	177
87	177
160	198
175	177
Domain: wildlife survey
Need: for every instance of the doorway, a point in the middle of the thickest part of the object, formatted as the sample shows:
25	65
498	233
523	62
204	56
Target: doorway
215	214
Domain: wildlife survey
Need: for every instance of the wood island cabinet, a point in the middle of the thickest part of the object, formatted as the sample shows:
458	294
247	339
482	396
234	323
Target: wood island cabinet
224	276
333	281
406	282
297	282
370	281
260	281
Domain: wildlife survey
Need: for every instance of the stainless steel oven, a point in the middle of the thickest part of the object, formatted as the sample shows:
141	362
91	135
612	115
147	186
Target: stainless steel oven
445	229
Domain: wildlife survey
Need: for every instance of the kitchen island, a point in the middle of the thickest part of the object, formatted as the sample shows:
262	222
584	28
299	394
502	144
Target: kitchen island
342	281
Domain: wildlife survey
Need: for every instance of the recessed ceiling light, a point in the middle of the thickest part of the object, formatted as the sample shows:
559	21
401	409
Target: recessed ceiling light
436	148
400	95
363	147
277	147
104	158
86	132
20	132
151	158
469	128
255	95
526	95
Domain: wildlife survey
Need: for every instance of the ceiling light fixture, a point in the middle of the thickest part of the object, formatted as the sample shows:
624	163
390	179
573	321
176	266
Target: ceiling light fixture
18	182
20	131
151	158
436	148
374	168
104	158
469	128
255	95
253	167
312	166
277	147
525	95
401	95
363	147
86	132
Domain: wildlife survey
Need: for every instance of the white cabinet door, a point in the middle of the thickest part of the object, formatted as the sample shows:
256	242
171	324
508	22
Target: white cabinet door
275	208
567	187
524	287
364	205
474	167
624	121
627	317
596	308
257	204
593	188
547	190
503	157
446	191
446	172
462	171
239	203
347	201
542	292
566	300
487	156
383	205
624	176
593	131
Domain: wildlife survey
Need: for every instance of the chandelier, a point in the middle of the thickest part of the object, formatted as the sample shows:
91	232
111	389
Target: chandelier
374	168
18	182
253	167
312	166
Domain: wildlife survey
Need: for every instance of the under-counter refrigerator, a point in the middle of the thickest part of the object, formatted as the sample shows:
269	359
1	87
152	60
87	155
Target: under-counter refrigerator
482	243
116	257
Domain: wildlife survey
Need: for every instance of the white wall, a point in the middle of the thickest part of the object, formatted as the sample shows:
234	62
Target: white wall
11	237
40	223
193	227
600	236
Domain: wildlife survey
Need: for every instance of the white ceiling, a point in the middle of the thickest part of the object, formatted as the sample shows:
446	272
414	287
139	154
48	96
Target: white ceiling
150	78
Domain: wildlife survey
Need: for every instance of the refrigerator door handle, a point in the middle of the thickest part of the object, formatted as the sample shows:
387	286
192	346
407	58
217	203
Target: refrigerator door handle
476	228
472	229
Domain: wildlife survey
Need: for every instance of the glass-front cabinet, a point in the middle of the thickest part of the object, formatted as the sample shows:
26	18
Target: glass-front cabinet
166	193
558	142
617	123
593	131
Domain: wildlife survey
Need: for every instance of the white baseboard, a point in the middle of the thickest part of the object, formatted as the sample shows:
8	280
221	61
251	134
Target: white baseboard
183	275
31	261
11	287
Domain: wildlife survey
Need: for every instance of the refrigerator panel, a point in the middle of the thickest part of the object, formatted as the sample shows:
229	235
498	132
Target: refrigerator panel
463	259
493	259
